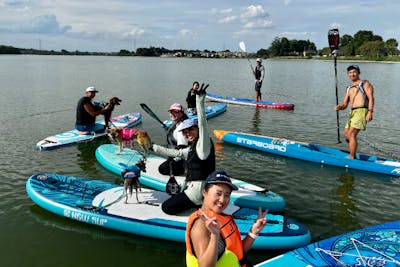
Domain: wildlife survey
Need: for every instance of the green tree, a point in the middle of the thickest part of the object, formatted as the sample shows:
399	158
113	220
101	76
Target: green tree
373	49
391	47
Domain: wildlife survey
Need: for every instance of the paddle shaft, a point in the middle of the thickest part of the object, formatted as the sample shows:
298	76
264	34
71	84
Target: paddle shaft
152	114
337	97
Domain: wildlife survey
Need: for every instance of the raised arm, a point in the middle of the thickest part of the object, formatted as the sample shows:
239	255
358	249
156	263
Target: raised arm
203	146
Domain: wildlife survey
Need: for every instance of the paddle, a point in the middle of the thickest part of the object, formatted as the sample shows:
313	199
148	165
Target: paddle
333	39
152	114
172	187
242	47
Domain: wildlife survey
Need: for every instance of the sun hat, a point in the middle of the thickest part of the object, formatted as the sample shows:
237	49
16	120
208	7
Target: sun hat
353	67
220	177
259	59
176	107
187	124
91	89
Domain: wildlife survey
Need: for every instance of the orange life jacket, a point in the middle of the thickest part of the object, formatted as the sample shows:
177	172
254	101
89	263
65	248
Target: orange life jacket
229	233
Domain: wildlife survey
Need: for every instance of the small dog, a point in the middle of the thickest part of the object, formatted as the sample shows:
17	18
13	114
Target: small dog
124	135
107	114
131	179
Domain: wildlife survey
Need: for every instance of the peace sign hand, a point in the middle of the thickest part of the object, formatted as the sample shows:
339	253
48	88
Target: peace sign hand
202	90
261	221
211	223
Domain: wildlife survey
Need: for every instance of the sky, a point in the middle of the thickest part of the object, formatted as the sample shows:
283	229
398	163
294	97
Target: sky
112	25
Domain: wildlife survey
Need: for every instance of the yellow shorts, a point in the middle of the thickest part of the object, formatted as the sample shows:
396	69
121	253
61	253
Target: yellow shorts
357	119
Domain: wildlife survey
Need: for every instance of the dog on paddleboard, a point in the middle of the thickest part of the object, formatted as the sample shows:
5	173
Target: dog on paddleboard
131	179
125	135
112	103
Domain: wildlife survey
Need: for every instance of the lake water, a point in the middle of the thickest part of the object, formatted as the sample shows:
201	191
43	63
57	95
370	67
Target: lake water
38	98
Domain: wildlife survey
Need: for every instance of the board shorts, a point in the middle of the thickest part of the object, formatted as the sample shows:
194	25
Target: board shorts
91	127
194	191
357	119
257	86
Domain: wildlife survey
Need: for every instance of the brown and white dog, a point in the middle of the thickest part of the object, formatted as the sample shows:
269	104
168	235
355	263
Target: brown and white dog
131	179
124	135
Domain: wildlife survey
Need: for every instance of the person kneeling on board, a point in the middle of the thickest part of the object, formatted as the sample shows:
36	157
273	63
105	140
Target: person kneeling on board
212	237
199	156
87	111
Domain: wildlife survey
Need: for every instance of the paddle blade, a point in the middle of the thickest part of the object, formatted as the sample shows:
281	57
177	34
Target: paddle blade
333	39
152	114
242	46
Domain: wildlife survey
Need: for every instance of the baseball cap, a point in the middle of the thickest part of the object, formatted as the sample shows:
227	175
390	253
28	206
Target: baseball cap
187	124
353	67
259	59
91	89
220	177
176	107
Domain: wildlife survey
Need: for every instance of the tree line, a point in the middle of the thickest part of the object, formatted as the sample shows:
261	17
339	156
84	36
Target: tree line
363	43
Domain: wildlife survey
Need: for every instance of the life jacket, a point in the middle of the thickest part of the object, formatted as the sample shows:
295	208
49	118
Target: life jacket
197	169
127	134
233	254
360	89
171	141
257	73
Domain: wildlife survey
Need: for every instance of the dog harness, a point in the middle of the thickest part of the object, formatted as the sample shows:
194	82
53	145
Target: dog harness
133	172
127	134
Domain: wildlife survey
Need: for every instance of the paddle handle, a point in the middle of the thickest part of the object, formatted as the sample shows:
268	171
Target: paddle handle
153	115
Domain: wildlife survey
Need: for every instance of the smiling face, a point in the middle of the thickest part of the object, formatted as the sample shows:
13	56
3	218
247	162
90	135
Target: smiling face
217	197
191	133
176	115
354	75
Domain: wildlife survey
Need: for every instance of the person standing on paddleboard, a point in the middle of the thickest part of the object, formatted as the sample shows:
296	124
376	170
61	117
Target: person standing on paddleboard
259	72
191	98
86	112
360	95
199	156
175	140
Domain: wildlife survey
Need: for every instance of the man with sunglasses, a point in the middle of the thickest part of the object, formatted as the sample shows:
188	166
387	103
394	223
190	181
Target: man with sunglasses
199	156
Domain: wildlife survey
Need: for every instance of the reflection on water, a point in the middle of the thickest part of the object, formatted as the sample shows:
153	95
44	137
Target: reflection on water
256	121
344	210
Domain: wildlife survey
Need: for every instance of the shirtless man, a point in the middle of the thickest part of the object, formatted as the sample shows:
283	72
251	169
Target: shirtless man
360	95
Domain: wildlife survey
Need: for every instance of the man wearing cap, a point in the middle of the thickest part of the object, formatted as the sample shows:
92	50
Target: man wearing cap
360	95
199	156
209	227
258	72
86	112
175	140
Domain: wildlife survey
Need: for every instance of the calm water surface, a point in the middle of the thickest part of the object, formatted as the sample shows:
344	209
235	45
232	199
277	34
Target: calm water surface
38	98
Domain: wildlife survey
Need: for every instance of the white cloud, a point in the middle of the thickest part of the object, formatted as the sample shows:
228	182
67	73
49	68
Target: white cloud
134	32
254	12
44	24
227	19
228	10
184	32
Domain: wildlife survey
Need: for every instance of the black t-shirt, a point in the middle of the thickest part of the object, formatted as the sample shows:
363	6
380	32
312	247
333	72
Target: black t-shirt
82	116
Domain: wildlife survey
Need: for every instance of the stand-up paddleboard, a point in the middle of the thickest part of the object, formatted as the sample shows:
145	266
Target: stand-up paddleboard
248	102
248	195
373	246
310	152
211	112
70	137
102	203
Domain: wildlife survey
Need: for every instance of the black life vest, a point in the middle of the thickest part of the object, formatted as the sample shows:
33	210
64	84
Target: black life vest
257	73
197	169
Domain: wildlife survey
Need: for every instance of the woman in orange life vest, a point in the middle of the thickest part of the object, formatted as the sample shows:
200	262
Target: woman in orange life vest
215	240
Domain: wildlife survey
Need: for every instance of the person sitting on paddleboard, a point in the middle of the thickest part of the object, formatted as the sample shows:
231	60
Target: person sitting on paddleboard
175	140
191	98
86	112
212	237
360	95
199	156
259	72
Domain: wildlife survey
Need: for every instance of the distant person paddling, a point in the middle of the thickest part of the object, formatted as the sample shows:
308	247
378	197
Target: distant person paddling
259	72
360	95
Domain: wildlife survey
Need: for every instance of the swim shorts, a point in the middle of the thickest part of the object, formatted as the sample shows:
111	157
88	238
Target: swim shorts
357	119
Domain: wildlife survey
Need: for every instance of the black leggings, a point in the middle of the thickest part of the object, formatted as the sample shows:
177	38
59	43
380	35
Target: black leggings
177	203
178	167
